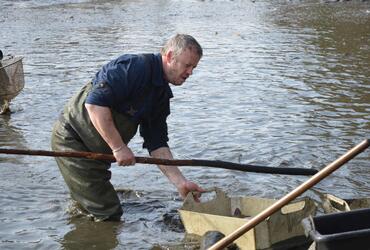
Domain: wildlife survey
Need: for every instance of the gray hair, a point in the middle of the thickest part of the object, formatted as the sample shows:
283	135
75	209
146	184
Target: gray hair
180	42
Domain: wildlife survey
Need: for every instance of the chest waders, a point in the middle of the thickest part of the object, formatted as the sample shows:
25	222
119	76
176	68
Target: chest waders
88	180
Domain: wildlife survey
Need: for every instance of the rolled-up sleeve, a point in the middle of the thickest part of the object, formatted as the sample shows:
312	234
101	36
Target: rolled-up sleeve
155	133
111	83
101	95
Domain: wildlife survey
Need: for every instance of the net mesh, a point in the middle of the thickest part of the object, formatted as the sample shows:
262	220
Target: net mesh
11	79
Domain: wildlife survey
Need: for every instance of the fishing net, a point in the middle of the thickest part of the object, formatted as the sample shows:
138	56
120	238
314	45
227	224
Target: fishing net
11	80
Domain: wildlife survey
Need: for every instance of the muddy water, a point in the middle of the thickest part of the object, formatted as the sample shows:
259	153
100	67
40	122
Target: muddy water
282	84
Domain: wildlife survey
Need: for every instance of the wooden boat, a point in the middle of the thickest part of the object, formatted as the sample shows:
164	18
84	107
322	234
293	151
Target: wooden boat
282	230
11	80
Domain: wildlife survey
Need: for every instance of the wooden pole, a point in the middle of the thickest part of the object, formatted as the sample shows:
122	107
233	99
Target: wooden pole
224	242
149	160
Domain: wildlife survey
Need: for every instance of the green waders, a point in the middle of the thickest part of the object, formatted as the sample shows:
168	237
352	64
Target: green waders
88	180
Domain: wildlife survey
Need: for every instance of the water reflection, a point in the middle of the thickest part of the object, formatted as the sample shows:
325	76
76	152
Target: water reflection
332	68
86	234
10	136
144	214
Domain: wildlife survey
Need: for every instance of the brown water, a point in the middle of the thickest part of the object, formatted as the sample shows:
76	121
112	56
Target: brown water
282	83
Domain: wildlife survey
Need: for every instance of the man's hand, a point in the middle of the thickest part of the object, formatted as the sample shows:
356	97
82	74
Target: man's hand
175	176
189	186
124	156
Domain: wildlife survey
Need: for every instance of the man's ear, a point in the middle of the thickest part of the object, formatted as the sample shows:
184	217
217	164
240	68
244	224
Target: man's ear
169	56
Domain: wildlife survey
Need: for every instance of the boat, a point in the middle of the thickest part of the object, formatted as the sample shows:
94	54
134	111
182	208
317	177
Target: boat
11	79
224	214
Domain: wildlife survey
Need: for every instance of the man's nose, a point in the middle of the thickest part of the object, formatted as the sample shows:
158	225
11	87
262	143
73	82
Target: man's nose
189	71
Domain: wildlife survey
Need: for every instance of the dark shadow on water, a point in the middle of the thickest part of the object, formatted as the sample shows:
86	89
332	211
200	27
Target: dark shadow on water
159	212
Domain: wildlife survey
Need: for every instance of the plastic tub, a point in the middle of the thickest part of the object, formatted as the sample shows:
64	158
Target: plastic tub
340	231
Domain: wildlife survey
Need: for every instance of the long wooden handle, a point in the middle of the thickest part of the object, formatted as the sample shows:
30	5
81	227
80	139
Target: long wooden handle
291	196
149	160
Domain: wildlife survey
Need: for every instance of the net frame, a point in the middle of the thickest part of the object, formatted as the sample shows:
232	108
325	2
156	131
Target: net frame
11	80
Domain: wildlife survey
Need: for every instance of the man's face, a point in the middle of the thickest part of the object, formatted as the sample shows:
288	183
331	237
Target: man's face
182	66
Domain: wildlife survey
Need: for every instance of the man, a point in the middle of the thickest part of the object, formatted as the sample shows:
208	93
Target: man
126	93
